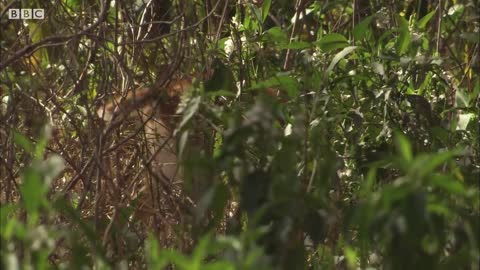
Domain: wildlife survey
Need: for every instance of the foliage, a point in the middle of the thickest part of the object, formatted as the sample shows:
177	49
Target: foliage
344	137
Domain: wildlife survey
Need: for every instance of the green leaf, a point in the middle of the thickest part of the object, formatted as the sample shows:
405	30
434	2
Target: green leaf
462	100
152	254
38	31
425	164
258	14
67	210
361	30
51	168
201	250
8	221
425	84
404	147
351	256
220	265
332	41
24	142
190	110
296	45
72	4
439	209
42	142
33	190
339	56
456	10
11	261
265	9
471	37
378	68
176	258
404	38
220	93
447	183
422	23
440	133
203	206
218	204
284	82
463	120
276	34
212	204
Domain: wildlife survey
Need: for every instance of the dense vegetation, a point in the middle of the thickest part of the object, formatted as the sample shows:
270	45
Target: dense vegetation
364	154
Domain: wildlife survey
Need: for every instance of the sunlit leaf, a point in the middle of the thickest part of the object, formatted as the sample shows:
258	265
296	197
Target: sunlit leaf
351	256
463	120
12	261
191	109
422	23
51	168
42	141
378	68
456	9
462	100
339	56
39	31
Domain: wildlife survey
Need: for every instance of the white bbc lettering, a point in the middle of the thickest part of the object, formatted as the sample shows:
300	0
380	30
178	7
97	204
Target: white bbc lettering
38	13
26	13
14	14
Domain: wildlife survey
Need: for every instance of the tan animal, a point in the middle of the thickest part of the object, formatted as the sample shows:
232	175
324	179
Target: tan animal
157	110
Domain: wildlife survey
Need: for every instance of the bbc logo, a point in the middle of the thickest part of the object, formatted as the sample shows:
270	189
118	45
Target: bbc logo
26	13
